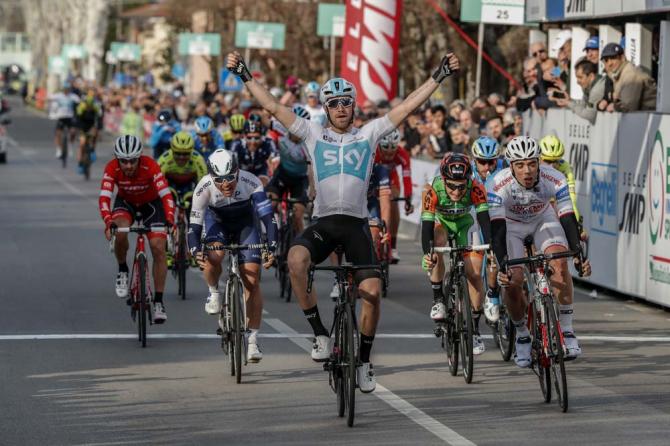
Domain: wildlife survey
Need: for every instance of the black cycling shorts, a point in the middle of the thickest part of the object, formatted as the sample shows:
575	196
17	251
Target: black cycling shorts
296	186
352	233
152	213
61	123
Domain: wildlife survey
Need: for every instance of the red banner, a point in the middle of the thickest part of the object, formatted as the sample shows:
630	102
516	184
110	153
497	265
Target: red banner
370	48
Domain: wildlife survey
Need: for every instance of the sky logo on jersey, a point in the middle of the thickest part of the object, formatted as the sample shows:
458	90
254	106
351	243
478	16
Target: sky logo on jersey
351	159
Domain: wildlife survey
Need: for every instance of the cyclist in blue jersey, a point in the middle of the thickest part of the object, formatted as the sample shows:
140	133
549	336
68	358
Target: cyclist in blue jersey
162	132
291	174
342	157
207	138
379	200
486	163
254	150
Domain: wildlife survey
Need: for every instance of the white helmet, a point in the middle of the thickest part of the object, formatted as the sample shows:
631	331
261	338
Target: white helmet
522	148
127	147
390	140
337	87
221	162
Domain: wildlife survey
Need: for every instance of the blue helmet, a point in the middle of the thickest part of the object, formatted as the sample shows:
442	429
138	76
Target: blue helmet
300	111
486	148
337	87
203	125
312	88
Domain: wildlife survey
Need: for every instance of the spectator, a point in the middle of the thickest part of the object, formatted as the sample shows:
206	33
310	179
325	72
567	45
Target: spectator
526	96
562	46
592	50
132	122
455	109
412	132
439	141
511	125
211	90
593	87
550	81
369	109
494	127
633	88
538	50
459	138
466	122
383	107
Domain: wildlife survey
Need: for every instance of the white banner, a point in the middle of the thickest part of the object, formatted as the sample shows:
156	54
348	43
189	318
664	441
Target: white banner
422	173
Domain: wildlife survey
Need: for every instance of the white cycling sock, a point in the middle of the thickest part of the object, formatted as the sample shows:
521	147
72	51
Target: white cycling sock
213	289
252	335
521	327
565	317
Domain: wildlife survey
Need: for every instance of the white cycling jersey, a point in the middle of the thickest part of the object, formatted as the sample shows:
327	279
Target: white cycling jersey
508	199
342	164
61	105
317	114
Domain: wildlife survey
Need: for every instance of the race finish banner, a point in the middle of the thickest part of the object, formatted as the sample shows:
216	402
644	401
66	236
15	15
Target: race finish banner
370	48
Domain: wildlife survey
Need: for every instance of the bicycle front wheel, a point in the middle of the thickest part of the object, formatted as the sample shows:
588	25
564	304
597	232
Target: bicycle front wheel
540	360
505	334
466	330
556	354
63	143
349	365
181	260
142	320
236	302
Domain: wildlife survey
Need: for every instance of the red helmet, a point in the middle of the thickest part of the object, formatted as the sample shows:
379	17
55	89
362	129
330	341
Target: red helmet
455	166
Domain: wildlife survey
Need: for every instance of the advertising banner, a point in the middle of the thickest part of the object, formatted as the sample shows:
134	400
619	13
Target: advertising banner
370	48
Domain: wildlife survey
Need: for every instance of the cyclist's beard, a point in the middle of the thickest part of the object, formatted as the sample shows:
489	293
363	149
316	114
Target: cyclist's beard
341	126
130	171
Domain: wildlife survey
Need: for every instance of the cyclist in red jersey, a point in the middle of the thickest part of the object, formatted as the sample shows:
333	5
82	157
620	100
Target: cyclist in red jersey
141	187
392	155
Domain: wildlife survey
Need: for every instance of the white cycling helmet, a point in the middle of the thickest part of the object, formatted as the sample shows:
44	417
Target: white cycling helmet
337	87
390	141
127	147
221	163
522	148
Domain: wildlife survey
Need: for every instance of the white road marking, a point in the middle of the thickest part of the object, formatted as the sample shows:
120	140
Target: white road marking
424	420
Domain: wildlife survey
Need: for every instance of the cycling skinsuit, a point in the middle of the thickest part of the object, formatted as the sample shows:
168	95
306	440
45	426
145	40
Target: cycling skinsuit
342	165
380	180
143	192
182	178
234	219
62	107
529	211
255	162
215	142
291	174
454	216
316	114
565	169
88	116
400	158
500	165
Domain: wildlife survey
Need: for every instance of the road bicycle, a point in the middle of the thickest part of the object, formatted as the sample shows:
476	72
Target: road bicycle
344	357
181	261
88	154
287	233
233	316
503	329
457	330
141	302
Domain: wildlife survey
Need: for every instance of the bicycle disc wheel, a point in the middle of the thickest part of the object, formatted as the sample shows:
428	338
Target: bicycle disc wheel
182	262
557	357
143	316
350	364
236	301
466	331
505	334
540	360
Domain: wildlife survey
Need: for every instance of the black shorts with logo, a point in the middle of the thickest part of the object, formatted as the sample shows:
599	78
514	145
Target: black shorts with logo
152	212
352	233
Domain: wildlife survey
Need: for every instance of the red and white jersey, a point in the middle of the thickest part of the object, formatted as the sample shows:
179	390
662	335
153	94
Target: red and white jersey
399	158
147	185
508	199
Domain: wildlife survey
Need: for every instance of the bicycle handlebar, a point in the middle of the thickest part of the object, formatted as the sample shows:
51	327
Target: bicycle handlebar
141	229
235	247
448	249
540	258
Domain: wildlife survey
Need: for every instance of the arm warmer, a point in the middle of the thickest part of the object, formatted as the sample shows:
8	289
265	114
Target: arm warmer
499	238
485	225
427	235
569	223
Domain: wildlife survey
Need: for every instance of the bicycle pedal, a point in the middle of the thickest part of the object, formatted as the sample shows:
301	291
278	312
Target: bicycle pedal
219	332
437	331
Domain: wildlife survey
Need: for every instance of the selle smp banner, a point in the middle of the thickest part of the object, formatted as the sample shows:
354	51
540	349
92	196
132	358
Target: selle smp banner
370	48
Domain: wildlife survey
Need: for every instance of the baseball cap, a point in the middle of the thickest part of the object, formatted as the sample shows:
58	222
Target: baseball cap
611	50
592	43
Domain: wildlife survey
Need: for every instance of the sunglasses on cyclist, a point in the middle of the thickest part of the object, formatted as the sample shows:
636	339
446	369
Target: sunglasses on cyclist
130	161
455	186
225	178
388	146
487	162
182	155
253	138
336	102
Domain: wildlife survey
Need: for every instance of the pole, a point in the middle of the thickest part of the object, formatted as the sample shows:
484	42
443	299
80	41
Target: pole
247	56
480	42
332	56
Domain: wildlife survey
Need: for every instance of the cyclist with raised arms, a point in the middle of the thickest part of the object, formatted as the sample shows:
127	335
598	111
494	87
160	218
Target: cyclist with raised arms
392	155
227	204
254	151
207	138
486	163
141	187
519	199
447	201
234	133
291	174
342	157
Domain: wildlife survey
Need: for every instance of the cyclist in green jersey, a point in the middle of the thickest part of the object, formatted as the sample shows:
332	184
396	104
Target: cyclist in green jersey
446	205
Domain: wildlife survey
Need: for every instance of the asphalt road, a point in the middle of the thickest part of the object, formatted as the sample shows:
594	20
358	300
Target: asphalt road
92	384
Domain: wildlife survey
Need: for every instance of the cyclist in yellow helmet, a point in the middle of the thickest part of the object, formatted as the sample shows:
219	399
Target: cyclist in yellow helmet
236	130
183	168
552	154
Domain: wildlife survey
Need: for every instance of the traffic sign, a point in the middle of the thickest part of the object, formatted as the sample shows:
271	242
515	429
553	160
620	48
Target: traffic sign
73	52
229	82
205	44
503	12
331	20
262	35
126	52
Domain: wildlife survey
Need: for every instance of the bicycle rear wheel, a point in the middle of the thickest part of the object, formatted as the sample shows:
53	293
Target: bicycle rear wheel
505	334
226	325
466	330
349	365
556	354
142	320
285	277
450	339
237	299
336	369
182	262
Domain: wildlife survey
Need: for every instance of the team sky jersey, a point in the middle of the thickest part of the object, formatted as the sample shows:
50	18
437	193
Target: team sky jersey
316	114
233	213
342	164
147	185
190	173
508	199
215	142
500	165
565	169
438	206
399	158
292	156
255	162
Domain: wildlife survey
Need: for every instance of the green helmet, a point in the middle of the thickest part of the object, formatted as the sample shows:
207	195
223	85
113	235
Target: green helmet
237	123
182	142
